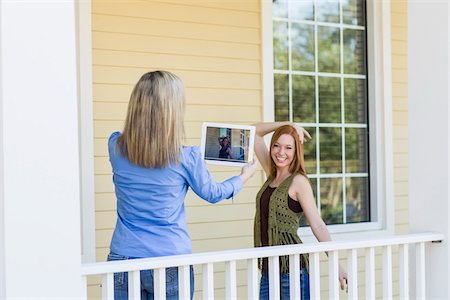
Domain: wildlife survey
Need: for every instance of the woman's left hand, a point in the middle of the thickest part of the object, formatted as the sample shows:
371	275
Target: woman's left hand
343	279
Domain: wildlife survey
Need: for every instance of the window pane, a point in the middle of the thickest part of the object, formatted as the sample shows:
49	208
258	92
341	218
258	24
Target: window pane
280	8
328	11
280	45
303	222
331	200
281	83
310	152
355	101
302	10
357	192
329	100
356	150
302	36
353	12
304	98
354	51
328	47
330	150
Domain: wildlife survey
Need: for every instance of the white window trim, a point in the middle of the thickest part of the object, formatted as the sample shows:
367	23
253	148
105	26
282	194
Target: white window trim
380	118
86	131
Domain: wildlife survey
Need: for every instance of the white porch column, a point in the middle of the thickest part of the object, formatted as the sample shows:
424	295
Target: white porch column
39	151
429	134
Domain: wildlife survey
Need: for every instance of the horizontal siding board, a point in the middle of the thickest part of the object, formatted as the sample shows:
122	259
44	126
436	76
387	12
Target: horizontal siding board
235	5
400	146
399	6
221	229
399	19
179	46
246	196
399	76
222	244
127	75
400	189
112	92
216	213
216	96
105	201
194	95
400	160
401	174
175	29
105	220
400	118
399	47
177	12
104	128
224	114
401	132
153	61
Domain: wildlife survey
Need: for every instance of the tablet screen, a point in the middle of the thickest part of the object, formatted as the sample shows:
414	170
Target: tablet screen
227	144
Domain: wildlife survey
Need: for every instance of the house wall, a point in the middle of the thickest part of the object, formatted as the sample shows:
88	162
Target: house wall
215	47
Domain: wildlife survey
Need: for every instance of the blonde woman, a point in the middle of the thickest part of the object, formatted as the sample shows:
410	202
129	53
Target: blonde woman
152	172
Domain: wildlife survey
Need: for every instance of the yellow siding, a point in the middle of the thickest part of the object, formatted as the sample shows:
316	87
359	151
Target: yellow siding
215	47
399	26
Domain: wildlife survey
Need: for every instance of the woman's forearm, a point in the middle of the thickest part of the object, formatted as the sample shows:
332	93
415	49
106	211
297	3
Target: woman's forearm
261	129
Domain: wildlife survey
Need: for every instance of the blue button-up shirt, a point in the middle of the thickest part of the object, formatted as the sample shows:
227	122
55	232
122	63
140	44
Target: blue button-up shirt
151	218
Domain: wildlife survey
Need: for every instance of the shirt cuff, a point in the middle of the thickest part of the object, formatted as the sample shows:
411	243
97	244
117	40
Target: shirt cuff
237	185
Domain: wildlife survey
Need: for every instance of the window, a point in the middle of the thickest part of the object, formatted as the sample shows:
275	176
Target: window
320	80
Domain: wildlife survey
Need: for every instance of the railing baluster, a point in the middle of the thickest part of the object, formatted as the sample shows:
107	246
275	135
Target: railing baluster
314	278
333	274
387	272
404	271
230	280
352	266
84	286
108	286
274	277
159	282
420	270
208	281
184	282
294	276
134	285
252	278
370	273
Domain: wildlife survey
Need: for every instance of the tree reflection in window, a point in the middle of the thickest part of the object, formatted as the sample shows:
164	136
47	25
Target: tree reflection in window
320	81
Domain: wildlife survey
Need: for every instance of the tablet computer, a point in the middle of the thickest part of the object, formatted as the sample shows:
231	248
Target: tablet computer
227	144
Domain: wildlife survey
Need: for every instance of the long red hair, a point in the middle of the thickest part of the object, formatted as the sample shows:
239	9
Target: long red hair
298	163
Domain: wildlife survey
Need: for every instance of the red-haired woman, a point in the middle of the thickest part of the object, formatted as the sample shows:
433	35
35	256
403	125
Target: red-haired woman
283	200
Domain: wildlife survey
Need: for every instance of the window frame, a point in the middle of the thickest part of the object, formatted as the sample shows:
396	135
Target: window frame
379	83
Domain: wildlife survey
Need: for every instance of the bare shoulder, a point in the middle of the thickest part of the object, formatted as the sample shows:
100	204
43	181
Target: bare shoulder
301	183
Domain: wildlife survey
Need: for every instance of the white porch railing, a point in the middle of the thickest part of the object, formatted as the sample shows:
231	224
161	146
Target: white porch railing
251	255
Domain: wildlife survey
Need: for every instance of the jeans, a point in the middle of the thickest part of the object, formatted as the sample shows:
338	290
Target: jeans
121	282
284	285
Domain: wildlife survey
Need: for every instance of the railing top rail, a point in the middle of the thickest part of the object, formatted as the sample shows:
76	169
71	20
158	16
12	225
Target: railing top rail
250	253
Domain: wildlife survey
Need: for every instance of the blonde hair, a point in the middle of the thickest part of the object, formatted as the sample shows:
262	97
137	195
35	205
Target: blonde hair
298	163
154	127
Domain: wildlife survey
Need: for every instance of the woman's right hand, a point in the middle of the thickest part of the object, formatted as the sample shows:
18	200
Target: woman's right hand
248	170
302	133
